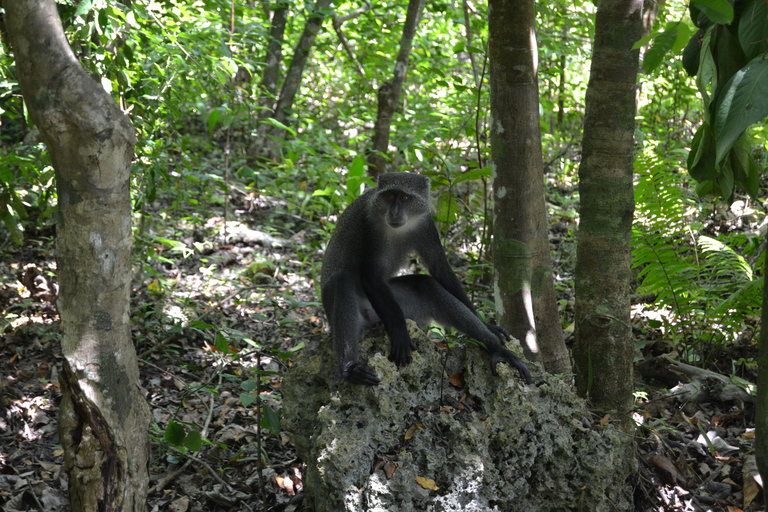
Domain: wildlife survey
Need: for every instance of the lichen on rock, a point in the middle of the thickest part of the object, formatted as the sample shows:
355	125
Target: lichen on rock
491	444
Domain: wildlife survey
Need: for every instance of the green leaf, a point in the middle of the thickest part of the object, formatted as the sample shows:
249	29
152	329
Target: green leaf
84	7
248	385
725	180
193	441
221	344
278	124
744	167
197	324
357	167
474	174
707	75
662	44
643	41
174	434
692	53
753	29
270	420
213	119
247	399
701	159
742	102
719	11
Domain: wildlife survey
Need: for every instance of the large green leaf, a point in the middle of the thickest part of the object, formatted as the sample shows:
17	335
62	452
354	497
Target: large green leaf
706	79
701	159
753	28
692	53
742	102
719	11
673	38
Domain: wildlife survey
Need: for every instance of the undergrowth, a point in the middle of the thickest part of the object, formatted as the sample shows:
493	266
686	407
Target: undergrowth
705	289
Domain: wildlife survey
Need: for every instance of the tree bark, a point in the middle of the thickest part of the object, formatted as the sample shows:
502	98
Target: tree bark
389	92
300	55
525	292
103	417
269	79
604	347
761	414
273	58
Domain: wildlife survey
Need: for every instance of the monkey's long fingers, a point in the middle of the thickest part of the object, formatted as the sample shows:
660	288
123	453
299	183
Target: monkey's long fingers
500	332
400	350
505	356
360	374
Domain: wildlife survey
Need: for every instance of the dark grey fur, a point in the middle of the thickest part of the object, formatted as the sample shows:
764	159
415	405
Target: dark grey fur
360	287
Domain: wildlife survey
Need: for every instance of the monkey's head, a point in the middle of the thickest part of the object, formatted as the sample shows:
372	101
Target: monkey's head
402	199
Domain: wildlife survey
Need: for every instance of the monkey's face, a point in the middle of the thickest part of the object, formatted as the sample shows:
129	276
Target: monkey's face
399	209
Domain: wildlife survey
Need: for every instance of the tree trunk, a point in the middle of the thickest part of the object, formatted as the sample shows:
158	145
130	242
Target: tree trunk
604	346
300	56
273	57
525	293
761	414
389	92
292	82
103	417
269	79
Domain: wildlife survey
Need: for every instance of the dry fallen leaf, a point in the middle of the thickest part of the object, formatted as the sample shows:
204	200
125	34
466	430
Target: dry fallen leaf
389	469
426	483
412	430
457	380
286	483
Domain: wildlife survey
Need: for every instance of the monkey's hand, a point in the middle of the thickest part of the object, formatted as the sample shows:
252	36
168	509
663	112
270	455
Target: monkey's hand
360	374
500	332
400	349
502	355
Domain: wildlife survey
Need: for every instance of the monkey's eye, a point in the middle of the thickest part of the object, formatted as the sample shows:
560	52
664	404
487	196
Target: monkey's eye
404	198
389	196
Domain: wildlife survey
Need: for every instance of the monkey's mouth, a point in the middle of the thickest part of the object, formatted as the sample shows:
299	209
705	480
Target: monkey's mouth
395	223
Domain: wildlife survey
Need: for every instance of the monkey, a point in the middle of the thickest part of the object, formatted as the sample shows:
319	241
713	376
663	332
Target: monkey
360	285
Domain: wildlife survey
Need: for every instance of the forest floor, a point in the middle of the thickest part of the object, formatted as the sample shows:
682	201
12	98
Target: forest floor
208	323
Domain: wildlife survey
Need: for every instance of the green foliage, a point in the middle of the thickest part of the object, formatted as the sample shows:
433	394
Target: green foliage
707	289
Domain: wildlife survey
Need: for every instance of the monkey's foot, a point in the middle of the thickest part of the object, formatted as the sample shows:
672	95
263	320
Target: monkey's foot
505	356
360	374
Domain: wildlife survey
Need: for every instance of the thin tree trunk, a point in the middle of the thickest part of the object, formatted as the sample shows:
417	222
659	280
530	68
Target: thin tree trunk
468	28
269	78
389	92
604	347
103	417
300	56
525	293
273	58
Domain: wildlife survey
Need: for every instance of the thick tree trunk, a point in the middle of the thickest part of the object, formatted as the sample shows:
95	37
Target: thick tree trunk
389	92
103	417
525	292
604	346
761	415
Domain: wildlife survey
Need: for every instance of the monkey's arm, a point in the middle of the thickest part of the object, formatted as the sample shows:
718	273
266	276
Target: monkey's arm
383	301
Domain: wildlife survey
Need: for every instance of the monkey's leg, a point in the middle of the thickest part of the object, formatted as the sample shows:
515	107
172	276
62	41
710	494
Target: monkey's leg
342	305
385	305
423	299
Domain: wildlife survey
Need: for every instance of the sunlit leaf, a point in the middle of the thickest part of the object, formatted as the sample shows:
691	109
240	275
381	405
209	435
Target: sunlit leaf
742	102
